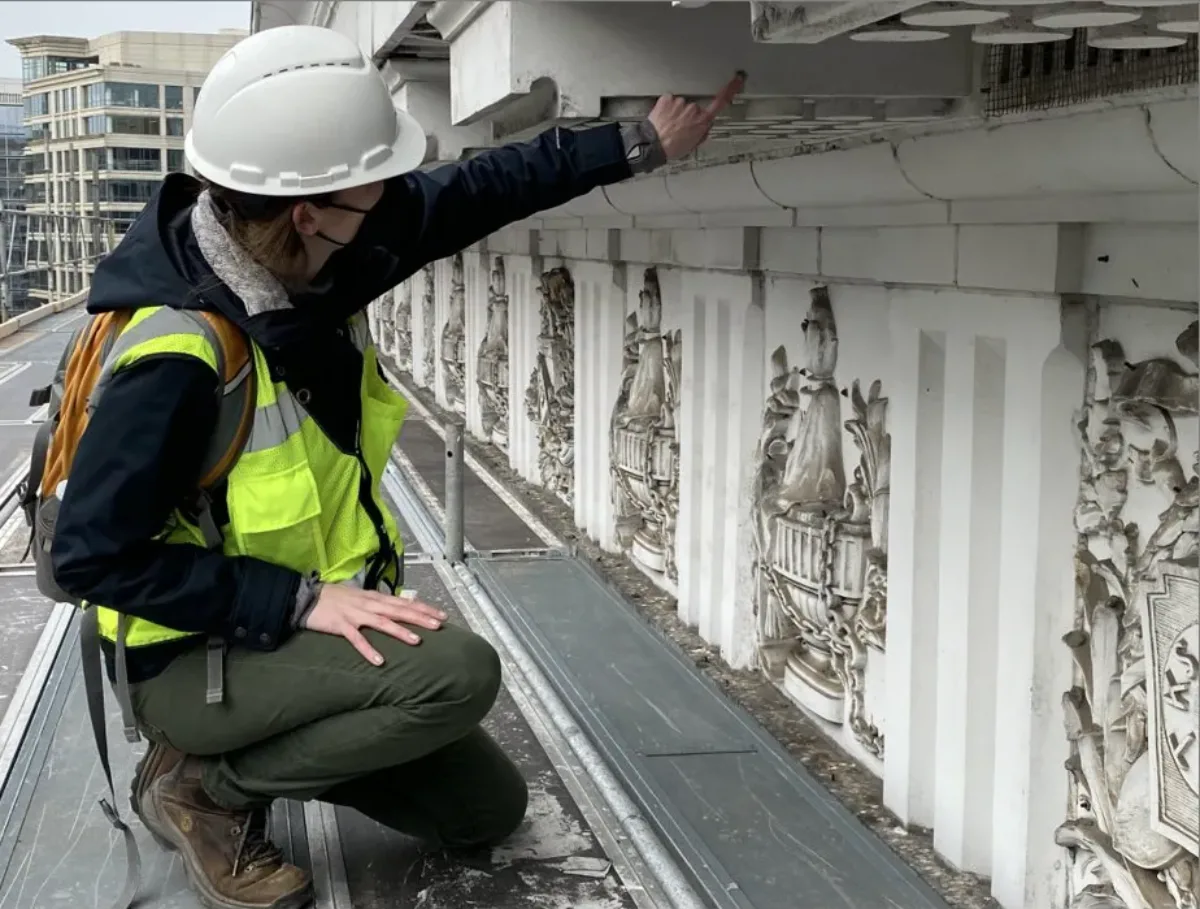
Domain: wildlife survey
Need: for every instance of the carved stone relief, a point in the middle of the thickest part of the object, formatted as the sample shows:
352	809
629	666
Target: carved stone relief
382	326
454	340
644	436
401	320
1134	716
428	326
550	395
820	544
492	372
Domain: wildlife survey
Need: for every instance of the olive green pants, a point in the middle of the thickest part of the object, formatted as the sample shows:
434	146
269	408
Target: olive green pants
314	720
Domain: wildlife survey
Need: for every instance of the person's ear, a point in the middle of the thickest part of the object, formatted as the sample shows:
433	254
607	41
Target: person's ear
304	218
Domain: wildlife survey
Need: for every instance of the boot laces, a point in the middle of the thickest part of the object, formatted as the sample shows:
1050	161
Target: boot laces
254	849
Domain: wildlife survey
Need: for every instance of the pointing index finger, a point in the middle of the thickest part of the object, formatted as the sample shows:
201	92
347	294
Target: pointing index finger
725	96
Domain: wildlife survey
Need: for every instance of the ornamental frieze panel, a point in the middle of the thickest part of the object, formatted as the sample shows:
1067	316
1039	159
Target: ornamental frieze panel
820	541
454	340
428	325
492	362
550	394
401	321
1133	716
644	436
381	322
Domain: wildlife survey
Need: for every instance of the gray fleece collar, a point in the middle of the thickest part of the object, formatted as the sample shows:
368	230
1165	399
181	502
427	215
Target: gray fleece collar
259	290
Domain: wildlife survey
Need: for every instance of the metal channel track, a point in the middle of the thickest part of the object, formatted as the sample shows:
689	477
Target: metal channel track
28	728
661	879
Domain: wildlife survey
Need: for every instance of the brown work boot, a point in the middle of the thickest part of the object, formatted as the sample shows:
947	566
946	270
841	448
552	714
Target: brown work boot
228	858
157	761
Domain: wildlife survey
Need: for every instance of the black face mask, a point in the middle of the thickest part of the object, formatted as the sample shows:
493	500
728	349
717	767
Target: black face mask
350	208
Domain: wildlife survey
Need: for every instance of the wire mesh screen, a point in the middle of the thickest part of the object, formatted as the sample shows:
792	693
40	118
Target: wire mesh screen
1027	77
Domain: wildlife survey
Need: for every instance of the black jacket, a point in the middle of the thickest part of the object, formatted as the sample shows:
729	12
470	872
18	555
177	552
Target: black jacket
141	452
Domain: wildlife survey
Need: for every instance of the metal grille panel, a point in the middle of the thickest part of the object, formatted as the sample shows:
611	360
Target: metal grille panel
1058	74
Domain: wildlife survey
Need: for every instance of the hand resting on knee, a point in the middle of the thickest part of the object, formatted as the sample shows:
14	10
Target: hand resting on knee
343	609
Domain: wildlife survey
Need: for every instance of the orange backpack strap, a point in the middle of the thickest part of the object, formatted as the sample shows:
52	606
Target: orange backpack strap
84	362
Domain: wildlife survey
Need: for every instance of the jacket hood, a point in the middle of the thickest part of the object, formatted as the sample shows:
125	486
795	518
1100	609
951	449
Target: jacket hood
159	262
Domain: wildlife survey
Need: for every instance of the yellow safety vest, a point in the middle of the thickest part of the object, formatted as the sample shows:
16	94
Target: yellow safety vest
293	497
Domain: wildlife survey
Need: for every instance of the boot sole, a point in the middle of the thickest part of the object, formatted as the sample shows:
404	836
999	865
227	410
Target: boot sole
200	885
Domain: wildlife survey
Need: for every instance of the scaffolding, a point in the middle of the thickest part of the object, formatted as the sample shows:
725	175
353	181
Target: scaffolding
47	257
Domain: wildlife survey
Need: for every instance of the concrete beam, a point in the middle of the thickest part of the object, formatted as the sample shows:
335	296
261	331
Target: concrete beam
507	50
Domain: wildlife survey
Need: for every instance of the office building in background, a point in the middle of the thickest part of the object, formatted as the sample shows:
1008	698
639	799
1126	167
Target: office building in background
12	197
104	123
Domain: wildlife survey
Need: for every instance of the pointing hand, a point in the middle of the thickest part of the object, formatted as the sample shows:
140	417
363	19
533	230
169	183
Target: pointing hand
683	125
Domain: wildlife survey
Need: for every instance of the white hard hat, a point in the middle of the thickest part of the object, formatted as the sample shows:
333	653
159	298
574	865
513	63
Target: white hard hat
299	110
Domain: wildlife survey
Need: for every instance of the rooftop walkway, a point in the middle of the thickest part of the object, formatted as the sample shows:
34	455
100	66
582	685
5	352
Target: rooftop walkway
649	789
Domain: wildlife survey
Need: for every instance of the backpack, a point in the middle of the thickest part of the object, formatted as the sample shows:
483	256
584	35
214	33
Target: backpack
70	399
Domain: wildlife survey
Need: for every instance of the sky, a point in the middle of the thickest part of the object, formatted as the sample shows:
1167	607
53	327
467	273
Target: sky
21	18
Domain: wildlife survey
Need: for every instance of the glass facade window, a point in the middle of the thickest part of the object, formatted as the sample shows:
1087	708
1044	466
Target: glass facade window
32	68
173	97
40	67
37	105
12	119
175	160
195	94
13	161
174	126
141	159
143	95
122	220
128	190
95	159
37	132
66	100
99	124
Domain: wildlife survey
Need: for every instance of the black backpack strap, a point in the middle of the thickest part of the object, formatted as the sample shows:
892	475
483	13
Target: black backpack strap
93	683
31	487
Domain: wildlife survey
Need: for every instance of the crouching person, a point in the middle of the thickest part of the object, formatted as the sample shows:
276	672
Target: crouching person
222	513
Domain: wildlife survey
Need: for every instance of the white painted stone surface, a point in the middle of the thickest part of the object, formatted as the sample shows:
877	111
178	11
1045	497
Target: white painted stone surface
970	272
983	385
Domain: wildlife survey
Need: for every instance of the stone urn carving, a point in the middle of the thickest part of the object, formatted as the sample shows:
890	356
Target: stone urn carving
492	362
382	326
454	341
550	394
644	436
820	543
428	325
402	347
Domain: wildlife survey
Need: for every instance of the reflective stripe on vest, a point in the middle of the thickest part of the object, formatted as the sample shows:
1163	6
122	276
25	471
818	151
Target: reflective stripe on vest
292	495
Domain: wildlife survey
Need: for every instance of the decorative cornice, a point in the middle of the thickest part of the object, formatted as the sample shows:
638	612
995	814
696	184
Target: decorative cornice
1127	162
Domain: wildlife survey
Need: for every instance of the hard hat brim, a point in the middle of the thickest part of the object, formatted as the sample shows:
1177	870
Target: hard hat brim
407	153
